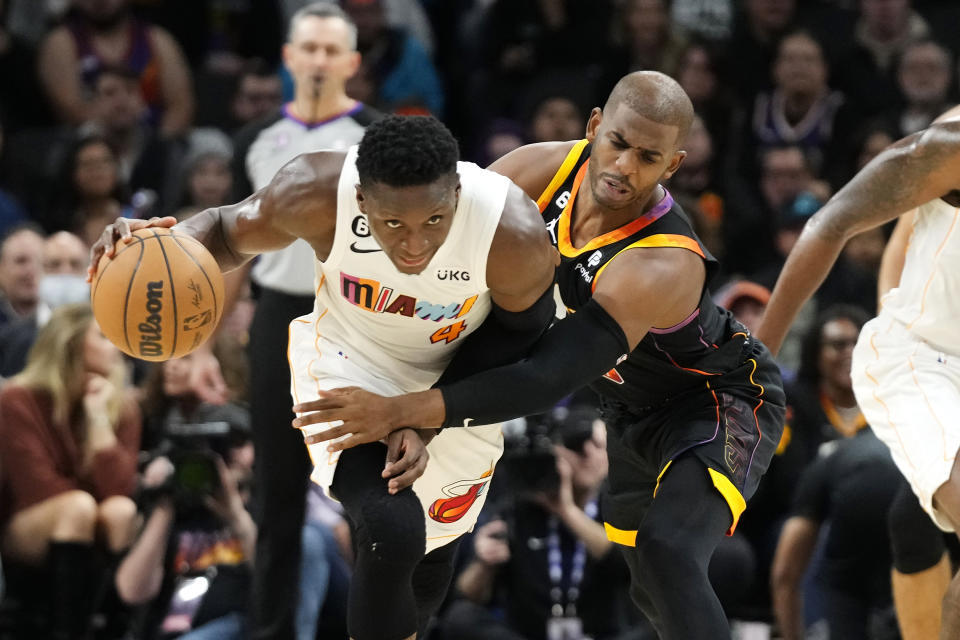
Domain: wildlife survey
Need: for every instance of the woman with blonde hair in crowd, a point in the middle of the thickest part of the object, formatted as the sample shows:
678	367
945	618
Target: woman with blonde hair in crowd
69	439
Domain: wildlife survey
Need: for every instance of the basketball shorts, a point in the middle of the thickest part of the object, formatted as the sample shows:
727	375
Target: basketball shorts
733	427
909	393
454	486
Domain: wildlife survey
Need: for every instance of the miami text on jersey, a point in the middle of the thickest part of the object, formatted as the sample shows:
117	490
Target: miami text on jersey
371	295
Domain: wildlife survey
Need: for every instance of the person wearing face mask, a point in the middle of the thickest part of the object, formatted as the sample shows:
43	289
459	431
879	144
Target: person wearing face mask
69	437
63	282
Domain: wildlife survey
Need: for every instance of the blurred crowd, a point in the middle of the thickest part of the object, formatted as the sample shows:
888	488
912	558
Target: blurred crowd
128	506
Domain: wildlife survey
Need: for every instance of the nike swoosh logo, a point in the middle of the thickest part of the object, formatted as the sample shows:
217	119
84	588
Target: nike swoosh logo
356	249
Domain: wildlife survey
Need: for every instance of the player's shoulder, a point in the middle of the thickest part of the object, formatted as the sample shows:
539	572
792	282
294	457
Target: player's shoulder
533	166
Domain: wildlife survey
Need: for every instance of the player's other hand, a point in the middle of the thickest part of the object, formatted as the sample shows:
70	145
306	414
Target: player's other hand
120	230
366	416
407	458
490	544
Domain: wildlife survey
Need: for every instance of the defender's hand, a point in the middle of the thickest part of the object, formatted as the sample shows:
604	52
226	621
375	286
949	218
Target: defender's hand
120	231
407	458
367	416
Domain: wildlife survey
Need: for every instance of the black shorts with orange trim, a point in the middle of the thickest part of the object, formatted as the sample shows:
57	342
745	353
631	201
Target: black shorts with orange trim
733	426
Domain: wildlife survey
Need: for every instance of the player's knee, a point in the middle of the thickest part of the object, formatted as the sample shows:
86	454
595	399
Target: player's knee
915	542
662	555
391	528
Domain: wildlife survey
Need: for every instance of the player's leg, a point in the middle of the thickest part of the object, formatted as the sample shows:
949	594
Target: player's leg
921	567
389	541
946	501
674	544
281	469
431	580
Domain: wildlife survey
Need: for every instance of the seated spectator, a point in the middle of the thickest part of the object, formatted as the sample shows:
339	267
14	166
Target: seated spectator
91	191
924	74
259	94
646	40
21	265
865	66
571	575
846	492
64	281
746	301
207	180
699	73
145	160
99	33
69	437
403	77
698	189
757	31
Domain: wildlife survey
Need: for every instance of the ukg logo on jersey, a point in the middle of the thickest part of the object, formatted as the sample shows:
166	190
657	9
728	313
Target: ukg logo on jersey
374	297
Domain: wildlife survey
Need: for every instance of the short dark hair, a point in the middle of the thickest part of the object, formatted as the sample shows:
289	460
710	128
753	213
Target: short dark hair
812	341
656	96
404	151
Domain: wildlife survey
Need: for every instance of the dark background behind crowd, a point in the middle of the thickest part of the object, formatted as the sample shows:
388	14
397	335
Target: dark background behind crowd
147	499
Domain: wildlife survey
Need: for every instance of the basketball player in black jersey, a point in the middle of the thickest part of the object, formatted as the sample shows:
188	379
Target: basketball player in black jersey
693	402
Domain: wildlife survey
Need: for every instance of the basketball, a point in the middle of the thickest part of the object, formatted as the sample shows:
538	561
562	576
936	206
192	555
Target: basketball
160	296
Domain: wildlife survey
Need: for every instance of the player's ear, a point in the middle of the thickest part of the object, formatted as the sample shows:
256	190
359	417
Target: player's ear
593	123
360	198
675	163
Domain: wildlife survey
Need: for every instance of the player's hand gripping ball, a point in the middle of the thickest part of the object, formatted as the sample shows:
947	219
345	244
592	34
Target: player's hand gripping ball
160	296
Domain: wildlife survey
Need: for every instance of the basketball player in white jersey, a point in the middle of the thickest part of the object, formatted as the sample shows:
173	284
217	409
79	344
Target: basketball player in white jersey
906	365
418	257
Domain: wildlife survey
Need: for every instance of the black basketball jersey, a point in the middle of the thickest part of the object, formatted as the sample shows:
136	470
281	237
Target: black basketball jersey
669	361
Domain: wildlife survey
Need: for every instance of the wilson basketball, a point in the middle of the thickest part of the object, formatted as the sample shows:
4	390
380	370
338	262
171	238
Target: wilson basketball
160	296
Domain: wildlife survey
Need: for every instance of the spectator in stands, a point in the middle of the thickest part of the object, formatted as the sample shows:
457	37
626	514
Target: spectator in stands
753	46
118	114
402	75
847	490
104	32
91	191
698	189
21	265
866	69
646	40
23	102
746	301
259	93
699	73
800	110
65	259
69	437
572	575
924	74
206	180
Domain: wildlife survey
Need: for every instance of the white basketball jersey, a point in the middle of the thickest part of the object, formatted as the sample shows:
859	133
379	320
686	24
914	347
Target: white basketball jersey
402	327
927	301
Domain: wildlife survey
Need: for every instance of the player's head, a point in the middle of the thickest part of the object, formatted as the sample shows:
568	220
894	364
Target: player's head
409	187
321	49
636	138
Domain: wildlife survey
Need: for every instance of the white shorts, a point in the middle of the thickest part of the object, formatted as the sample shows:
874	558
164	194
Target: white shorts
454	486
909	393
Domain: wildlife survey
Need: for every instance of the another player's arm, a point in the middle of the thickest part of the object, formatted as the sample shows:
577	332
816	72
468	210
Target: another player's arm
920	168
894	256
639	289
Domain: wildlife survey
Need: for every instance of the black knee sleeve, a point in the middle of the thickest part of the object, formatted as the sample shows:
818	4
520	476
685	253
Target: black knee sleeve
916	543
389	540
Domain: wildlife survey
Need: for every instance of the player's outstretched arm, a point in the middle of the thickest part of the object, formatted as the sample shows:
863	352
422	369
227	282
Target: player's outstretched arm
640	289
911	172
300	202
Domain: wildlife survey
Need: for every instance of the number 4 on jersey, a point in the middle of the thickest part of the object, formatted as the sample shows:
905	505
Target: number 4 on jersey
448	333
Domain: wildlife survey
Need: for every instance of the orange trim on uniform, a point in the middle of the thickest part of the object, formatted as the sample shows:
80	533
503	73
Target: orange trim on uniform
561	174
620	536
731	495
926	287
845	428
658	240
